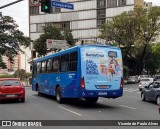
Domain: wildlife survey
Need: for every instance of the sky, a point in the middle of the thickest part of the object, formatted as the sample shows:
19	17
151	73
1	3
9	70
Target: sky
19	12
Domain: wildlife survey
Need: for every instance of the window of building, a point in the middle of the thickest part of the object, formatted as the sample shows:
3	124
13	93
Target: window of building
43	66
121	2
61	25
73	61
101	21
111	3
40	27
56	64
101	13
49	65
64	63
34	10
55	10
101	3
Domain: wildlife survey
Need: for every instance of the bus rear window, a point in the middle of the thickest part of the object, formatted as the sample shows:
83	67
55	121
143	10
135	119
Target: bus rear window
112	54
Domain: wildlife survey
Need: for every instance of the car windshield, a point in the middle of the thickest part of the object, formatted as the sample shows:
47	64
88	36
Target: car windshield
10	83
145	80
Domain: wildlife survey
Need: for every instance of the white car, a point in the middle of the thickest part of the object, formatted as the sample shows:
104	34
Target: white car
145	82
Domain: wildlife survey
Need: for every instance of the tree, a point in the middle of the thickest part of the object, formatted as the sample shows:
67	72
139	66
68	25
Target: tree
2	64
51	32
152	63
10	37
21	73
134	31
69	37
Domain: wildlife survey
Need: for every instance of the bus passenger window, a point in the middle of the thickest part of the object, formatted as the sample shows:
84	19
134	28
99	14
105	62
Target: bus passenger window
64	63
49	65
43	66
56	64
73	61
39	67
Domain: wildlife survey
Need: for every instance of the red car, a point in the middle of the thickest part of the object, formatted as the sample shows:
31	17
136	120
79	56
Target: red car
12	88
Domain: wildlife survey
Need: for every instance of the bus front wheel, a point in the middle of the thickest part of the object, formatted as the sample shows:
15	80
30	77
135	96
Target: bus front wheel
92	100
58	95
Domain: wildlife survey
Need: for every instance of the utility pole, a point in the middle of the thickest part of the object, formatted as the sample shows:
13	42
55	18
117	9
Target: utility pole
10	4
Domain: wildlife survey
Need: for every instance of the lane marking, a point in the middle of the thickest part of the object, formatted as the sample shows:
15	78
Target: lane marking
70	111
139	92
128	89
133	90
126	106
32	96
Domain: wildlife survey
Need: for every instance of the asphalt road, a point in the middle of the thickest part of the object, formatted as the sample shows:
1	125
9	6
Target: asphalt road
128	107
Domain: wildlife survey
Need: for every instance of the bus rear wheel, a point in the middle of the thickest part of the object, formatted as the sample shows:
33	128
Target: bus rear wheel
92	100
58	95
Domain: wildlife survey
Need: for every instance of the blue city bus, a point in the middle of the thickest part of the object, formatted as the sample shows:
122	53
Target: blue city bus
84	71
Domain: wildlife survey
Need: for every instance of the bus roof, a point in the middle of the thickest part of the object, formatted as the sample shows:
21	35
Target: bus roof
73	49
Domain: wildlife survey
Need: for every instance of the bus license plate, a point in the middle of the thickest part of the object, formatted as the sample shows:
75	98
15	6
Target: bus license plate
102	93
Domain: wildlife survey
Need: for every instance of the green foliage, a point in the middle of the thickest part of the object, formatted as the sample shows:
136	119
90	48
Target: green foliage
125	71
10	37
2	64
69	37
20	74
134	31
51	32
7	76
152	63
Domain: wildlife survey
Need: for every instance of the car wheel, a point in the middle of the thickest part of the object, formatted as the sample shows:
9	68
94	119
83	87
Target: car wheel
23	100
158	100
58	95
143	97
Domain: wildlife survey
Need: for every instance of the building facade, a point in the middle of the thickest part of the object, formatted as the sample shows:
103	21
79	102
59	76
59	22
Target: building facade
84	21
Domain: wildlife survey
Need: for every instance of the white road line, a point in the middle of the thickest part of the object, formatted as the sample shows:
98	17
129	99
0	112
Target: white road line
127	89
70	111
133	90
32	96
138	92
126	106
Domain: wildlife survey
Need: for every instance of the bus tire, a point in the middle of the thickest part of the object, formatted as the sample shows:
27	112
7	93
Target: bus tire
92	99
39	93
59	95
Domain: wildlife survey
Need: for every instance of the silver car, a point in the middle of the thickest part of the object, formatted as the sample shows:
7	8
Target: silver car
132	79
145	82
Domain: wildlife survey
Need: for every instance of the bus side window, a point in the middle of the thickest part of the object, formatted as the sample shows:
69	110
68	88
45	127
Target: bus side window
49	65
64	63
56	64
34	69
39	67
73	61
43	66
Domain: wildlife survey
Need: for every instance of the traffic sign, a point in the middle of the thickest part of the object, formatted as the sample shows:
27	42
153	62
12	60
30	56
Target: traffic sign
34	2
57	44
62	5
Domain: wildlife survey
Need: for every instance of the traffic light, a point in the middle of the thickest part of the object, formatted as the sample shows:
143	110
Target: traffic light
46	6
